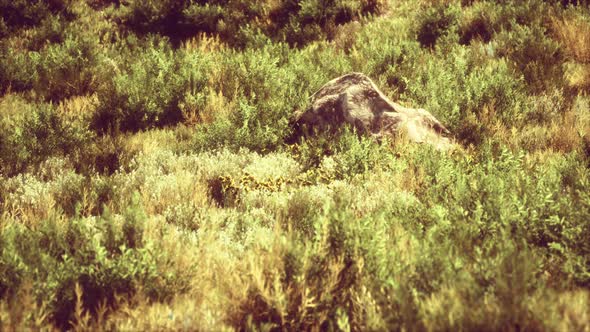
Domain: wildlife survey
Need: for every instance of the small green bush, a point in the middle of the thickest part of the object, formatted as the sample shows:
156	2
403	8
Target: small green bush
22	14
55	63
435	22
535	54
148	90
265	97
295	23
105	257
17	70
480	22
313	20
35	133
492	84
67	69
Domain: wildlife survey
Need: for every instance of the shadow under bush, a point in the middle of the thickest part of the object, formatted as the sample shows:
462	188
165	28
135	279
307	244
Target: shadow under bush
233	20
17	14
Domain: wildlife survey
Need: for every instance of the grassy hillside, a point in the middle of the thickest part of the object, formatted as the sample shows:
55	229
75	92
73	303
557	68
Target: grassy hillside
147	184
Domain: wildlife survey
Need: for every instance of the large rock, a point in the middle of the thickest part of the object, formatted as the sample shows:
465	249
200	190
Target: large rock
354	99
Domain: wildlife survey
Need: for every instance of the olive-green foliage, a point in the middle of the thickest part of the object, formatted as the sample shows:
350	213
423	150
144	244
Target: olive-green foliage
297	23
66	70
265	96
435	22
22	14
474	231
57	60
150	178
106	256
146	90
56	72
30	133
16	71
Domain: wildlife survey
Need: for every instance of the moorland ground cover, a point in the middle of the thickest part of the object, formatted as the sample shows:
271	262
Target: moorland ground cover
147	181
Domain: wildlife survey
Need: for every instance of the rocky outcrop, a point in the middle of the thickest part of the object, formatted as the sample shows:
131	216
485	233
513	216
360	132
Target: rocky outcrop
354	99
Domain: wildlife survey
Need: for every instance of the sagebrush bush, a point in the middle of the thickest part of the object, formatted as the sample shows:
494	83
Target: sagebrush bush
536	56
67	69
573	32
56	60
106	257
23	14
480	21
234	20
16	70
264	94
151	177
32	132
134	98
436	21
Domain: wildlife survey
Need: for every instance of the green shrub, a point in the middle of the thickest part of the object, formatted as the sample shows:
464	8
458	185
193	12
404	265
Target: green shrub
480	22
52	30
13	269
147	91
106	257
21	14
343	155
507	181
295	23
389	62
67	69
538	57
17	70
35	132
264	94
436	22
164	17
56	64
313	20
491	84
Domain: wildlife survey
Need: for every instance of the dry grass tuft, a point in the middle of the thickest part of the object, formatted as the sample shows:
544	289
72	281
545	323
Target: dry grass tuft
569	132
574	33
204	43
577	75
218	106
78	107
345	36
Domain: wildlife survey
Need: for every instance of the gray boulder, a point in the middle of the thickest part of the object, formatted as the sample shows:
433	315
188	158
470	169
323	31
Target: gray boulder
355	100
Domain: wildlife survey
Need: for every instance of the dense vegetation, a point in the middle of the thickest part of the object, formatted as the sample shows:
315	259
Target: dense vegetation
148	182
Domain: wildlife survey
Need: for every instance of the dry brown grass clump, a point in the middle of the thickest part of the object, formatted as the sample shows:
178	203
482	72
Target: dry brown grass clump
573	32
